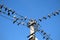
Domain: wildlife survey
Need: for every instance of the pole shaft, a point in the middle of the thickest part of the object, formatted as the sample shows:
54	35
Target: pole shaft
32	31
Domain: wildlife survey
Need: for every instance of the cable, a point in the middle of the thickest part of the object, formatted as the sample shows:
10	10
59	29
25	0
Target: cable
49	16
6	17
19	18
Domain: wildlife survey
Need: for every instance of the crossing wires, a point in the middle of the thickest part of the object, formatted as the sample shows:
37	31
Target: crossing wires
19	19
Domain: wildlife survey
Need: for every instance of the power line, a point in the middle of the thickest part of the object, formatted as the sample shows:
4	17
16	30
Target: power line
49	16
19	19
6	17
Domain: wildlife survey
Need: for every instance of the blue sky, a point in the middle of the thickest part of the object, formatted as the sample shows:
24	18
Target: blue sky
33	9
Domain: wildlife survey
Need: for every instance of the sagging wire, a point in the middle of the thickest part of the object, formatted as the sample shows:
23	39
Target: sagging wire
13	12
15	20
44	34
6	17
49	15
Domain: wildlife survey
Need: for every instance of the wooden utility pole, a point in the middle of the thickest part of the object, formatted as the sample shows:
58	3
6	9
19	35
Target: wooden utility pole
31	25
32	36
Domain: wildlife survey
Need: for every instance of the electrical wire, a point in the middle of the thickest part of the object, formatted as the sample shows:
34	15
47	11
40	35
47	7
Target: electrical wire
49	16
43	18
6	17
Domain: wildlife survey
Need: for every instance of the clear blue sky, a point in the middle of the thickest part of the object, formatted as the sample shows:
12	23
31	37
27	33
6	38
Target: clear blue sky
33	9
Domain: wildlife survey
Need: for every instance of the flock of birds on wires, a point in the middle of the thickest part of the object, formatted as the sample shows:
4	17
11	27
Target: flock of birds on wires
19	19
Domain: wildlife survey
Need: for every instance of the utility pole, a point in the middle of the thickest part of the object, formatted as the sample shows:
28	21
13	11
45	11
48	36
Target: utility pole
31	25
